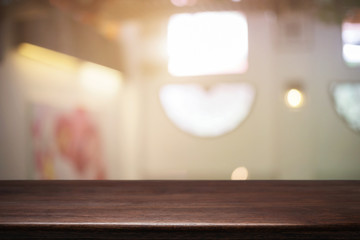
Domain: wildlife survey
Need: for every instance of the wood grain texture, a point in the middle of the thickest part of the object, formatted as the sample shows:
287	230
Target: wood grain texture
180	210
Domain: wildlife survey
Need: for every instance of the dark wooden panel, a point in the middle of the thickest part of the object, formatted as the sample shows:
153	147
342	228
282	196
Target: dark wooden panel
180	209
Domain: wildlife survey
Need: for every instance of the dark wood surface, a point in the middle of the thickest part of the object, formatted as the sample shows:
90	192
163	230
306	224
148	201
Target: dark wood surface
180	210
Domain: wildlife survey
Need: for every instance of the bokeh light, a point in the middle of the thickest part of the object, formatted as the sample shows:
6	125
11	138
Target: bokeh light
294	98
240	173
183	3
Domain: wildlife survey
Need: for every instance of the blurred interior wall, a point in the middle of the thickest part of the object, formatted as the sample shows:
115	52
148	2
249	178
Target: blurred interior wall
274	142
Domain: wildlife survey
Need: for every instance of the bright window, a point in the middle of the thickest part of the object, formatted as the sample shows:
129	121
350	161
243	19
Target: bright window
351	39
207	113
347	103
207	43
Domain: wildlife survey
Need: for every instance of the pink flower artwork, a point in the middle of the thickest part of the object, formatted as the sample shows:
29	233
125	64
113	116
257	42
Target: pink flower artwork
66	144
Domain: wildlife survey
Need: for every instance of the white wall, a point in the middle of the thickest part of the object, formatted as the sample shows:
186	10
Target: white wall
13	127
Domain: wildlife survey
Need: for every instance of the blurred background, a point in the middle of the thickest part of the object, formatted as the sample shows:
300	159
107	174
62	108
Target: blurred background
179	89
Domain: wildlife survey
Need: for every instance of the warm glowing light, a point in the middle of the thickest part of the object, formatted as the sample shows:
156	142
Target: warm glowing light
98	79
46	56
109	29
294	98
240	173
207	43
207	113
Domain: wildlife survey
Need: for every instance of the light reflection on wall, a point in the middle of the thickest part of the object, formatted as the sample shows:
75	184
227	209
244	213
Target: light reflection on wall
207	113
99	80
94	78
347	103
207	43
49	57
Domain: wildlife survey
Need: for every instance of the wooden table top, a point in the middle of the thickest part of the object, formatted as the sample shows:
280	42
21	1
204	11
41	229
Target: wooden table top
180	209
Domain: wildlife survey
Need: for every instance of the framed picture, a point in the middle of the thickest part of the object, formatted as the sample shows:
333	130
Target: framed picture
67	143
